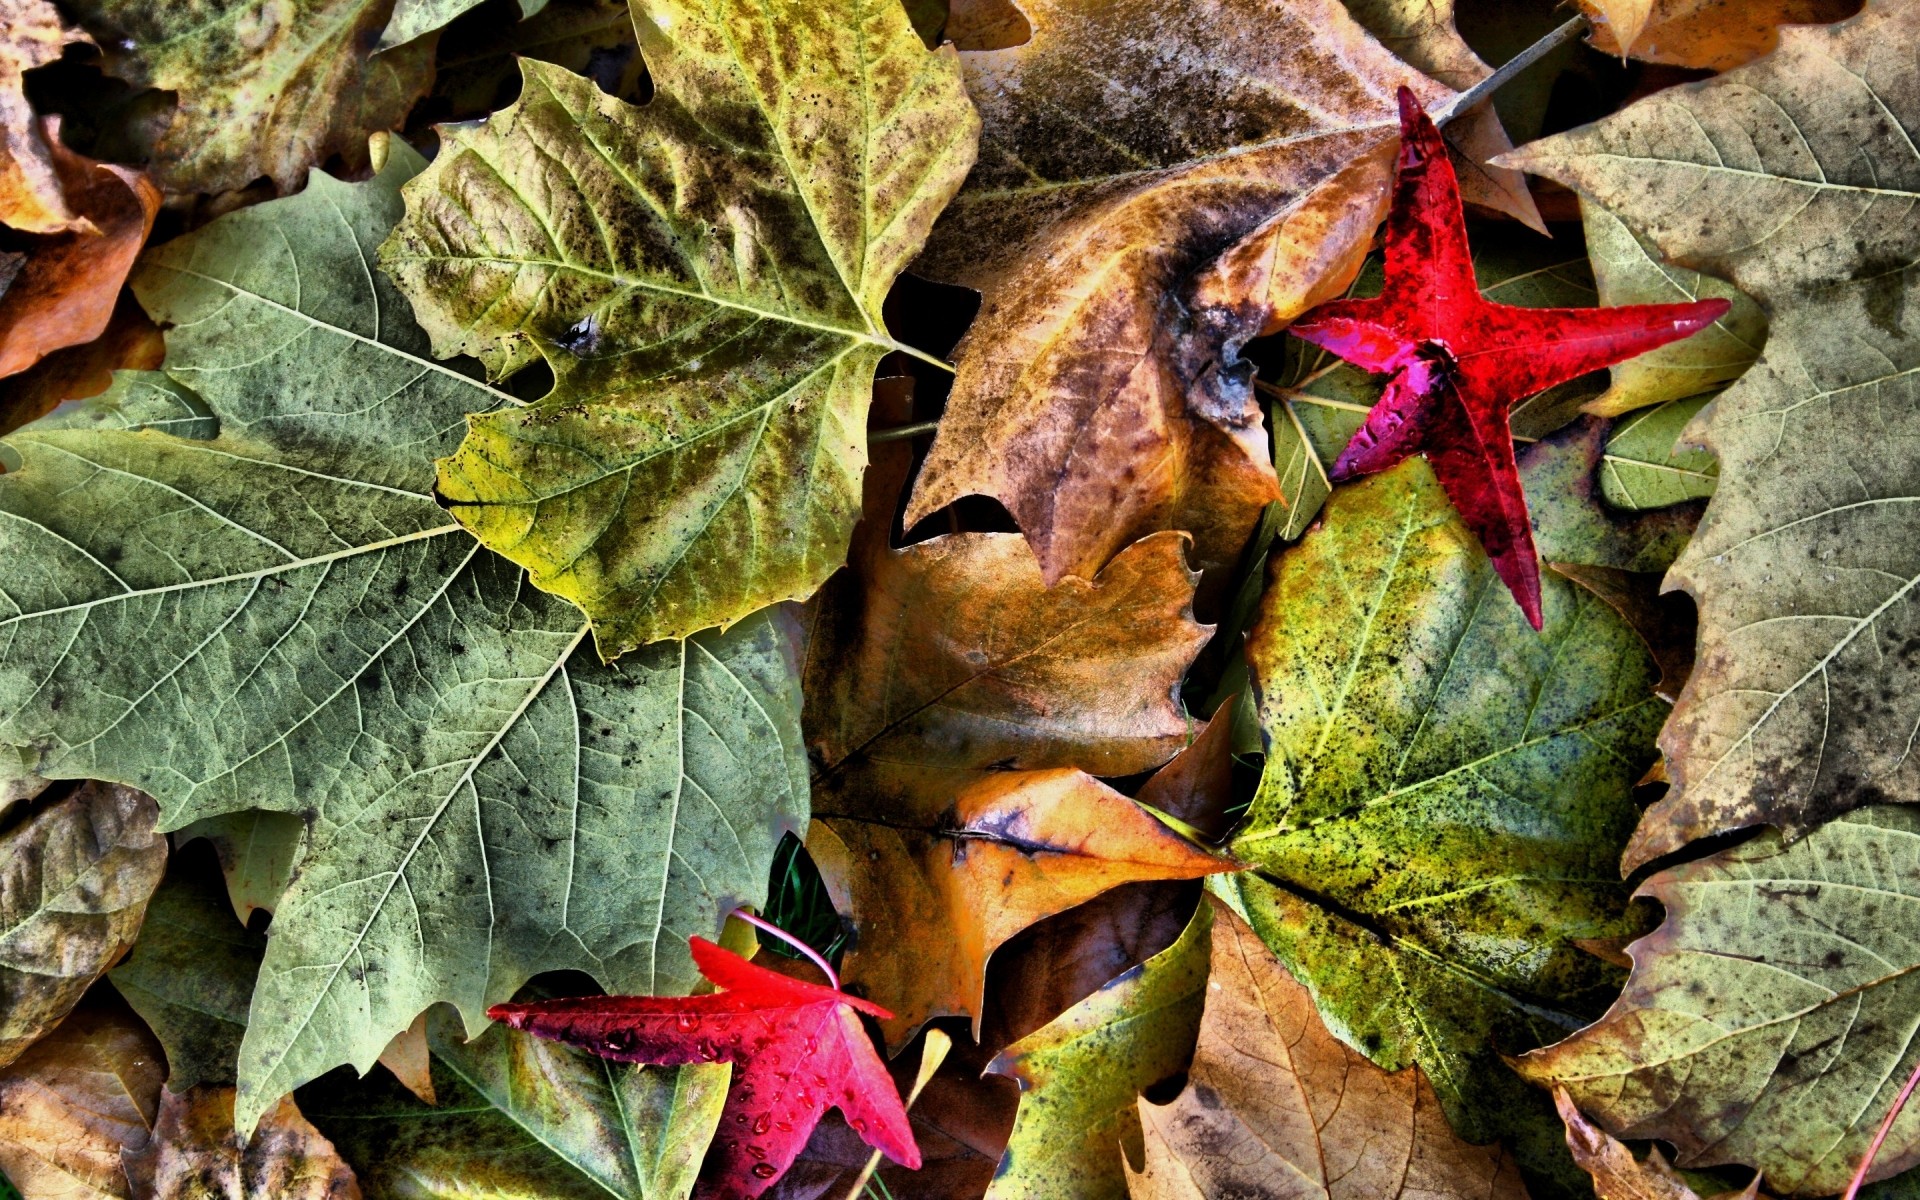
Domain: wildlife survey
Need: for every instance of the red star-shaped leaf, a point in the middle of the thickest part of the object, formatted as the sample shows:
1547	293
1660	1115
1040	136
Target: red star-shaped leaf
1459	363
797	1049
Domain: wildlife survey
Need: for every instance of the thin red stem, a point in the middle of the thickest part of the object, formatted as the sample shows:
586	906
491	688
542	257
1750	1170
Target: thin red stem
812	954
1886	1126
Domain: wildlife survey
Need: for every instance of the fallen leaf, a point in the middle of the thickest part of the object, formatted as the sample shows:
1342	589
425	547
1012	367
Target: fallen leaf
130	342
1129	239
65	292
1617	1175
195	1154
407	1057
1275	1106
74	883
960	1124
1459	364
478	69
1445	796
1801	706
417	18
190	976
700	454
1562	474
257	852
1627	270
1196	785
808	1052
1768	1019
1716	35
266	87
1422	34
1664	621
1649	463
1081	1075
931	904
259	522
32	194
74	1101
519	1116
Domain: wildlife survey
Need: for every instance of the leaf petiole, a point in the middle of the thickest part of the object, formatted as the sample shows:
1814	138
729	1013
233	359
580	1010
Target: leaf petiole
814	956
1466	100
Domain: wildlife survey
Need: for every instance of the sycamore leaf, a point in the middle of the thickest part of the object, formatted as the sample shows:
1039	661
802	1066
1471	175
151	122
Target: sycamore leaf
73	1102
1711	34
1650	464
263	607
266	87
1081	1075
932	903
195	1152
74	886
1803	704
412	18
1445	795
1276	1106
64	293
190	976
479	65
1768	1021
32	197
257	852
1617	1175
704	276
1128	239
1628	271
520	1116
1422	34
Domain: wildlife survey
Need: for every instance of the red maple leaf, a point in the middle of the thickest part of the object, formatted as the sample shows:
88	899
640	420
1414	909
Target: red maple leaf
1460	362
797	1049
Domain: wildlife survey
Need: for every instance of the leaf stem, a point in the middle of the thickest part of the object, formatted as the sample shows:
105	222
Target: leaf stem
813	955
922	355
1886	1127
1513	66
902	432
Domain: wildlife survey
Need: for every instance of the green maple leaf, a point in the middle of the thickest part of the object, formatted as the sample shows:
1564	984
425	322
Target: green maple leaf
704	275
1445	797
229	585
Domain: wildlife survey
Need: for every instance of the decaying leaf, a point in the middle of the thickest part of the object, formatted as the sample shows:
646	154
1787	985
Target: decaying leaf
1628	271
479	69
1617	1175
74	884
74	1101
519	1116
257	852
933	903
1715	34
408	1058
1081	1075
64	293
1804	702
1422	34
195	1154
1445	796
32	195
1649	462
1100	395
1275	1106
229	584
266	87
190	977
704	276
1768	1021
130	342
416	18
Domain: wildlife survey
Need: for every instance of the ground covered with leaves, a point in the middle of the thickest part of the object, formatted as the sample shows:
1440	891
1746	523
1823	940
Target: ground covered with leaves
1038	599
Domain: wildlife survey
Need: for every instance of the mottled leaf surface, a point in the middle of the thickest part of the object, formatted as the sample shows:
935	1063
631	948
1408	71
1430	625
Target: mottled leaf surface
265	608
1713	34
195	1151
1769	1020
75	880
32	34
265	87
1797	179
1445	796
74	1101
704	276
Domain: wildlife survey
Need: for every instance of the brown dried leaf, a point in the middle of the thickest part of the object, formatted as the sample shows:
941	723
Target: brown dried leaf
74	884
194	1154
1099	396
1617	1175
74	1101
131	342
64	295
1277	1107
32	197
1716	35
409	1060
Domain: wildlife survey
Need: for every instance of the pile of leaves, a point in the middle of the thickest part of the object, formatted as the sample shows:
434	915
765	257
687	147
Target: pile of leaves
1059	599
